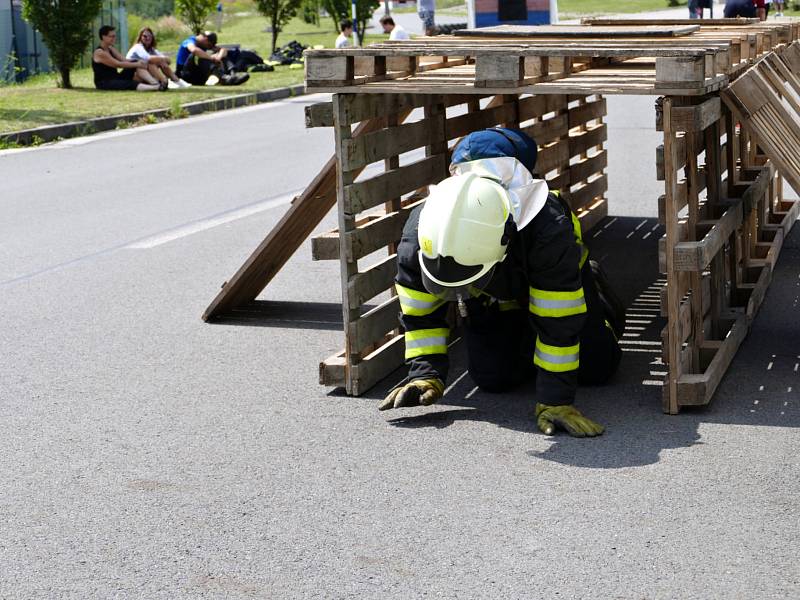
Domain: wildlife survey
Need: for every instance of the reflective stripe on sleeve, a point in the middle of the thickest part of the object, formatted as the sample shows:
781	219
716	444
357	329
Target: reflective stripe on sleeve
557	359
416	303
576	229
426	341
545	303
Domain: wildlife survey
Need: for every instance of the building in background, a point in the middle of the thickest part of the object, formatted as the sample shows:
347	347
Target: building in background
486	13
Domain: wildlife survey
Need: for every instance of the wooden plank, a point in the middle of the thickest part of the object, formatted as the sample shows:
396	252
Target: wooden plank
697	118
373	325
587	112
375	234
580	142
362	150
553	156
588	192
671	70
759	291
374	367
376	279
585	168
319	115
369	193
696	256
537	106
325	246
334	68
680	151
553	49
738	22
548	130
592	215
499	71
697	390
332	370
579	31
673	299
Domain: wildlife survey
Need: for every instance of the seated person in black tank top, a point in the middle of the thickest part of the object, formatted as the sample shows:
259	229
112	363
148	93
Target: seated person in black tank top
106	60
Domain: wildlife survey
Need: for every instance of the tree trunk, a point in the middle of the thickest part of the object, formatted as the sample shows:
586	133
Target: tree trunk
65	81
275	33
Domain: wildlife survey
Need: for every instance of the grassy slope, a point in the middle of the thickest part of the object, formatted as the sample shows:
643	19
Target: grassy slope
39	102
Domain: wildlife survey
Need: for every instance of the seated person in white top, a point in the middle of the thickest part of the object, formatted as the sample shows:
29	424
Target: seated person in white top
396	32
346	28
157	62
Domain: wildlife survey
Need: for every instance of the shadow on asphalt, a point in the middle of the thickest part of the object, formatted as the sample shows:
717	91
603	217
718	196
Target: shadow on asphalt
760	388
292	315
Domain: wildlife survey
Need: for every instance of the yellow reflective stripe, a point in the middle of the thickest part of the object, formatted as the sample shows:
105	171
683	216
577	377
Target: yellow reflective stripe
556	359
416	303
584	256
576	227
611	329
426	341
546	303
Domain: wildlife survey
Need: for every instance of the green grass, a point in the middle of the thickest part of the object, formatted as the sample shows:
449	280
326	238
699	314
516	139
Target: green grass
39	101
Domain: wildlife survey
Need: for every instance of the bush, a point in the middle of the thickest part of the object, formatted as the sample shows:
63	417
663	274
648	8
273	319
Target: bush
278	13
170	28
66	29
151	9
195	12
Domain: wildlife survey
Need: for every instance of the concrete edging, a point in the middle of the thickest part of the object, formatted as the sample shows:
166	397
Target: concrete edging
48	133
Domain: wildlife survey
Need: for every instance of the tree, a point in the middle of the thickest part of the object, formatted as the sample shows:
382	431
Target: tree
341	9
195	13
278	13
65	26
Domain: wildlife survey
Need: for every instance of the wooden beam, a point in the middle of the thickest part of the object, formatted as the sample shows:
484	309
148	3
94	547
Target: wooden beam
305	213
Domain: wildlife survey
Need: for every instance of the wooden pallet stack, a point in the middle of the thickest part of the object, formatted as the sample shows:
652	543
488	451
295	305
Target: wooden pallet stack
398	108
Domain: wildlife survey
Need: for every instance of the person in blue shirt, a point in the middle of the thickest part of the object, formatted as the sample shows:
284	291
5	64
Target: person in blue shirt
201	62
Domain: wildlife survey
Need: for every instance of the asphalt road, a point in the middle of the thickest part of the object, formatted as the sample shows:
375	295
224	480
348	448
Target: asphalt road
145	454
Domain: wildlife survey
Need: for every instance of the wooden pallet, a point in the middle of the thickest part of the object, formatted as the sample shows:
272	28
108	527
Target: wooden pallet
725	222
373	209
723	207
663	60
767	101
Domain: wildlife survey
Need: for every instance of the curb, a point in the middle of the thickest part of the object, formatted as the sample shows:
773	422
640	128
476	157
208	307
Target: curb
48	133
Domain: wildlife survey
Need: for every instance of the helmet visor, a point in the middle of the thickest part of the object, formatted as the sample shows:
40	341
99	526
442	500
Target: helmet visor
447	272
451	293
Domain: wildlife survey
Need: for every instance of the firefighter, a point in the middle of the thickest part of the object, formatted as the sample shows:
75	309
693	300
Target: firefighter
509	252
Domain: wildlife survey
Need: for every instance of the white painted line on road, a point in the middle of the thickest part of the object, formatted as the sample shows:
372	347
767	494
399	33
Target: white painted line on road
202	225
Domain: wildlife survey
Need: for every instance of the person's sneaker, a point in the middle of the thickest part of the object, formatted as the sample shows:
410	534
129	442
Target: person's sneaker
183	84
173	85
212	80
163	86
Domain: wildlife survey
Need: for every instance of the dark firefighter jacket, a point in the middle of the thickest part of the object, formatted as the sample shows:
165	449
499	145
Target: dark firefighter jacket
541	274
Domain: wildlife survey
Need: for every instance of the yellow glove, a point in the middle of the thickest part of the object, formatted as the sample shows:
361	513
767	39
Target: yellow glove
568	417
413	393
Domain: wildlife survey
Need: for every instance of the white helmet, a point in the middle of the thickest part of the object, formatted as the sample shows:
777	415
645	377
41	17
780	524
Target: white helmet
463	232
